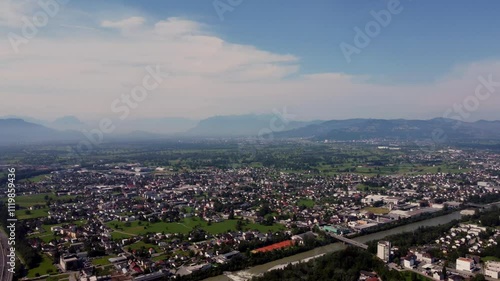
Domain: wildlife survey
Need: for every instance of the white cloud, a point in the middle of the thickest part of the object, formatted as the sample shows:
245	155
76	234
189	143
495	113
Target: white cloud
75	75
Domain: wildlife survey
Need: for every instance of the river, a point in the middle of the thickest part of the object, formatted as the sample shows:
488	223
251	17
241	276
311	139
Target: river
248	273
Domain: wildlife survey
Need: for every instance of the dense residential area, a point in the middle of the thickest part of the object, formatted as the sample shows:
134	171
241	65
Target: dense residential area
133	221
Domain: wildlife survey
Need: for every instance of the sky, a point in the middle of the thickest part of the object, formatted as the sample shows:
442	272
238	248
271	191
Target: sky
319	59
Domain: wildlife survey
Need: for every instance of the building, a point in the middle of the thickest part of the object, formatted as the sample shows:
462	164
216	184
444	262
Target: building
409	261
465	264
492	269
70	262
384	250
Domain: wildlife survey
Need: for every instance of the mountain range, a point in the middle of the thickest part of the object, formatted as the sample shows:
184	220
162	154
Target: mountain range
402	129
15	130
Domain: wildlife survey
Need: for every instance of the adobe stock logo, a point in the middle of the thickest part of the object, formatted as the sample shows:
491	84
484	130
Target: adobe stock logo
372	29
31	26
223	6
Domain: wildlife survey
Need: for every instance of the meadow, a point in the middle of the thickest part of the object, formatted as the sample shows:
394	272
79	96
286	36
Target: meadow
183	227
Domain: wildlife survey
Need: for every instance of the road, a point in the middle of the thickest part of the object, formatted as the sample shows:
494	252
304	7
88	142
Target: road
4	273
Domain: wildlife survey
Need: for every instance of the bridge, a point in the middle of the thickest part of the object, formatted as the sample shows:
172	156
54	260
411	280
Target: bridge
482	206
348	241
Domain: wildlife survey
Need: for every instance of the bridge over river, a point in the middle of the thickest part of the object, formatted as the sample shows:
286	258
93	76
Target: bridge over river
348	241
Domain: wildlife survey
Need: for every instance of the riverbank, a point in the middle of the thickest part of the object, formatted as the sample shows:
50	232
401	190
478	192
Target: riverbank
247	274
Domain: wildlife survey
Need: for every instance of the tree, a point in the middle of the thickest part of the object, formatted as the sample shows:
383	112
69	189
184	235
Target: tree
239	225
478	277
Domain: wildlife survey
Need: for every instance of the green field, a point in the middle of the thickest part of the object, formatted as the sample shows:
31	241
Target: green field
38	213
185	226
309	203
42	269
26	201
36	179
140	244
46	237
118	235
102	260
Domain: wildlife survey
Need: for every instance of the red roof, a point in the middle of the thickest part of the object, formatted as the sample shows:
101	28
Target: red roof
280	245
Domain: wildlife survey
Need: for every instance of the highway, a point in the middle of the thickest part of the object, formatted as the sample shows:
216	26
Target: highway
5	274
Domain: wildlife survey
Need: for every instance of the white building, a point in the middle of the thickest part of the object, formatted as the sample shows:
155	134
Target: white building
465	264
492	269
409	261
384	250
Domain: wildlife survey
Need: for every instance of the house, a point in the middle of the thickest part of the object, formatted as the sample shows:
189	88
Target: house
300	238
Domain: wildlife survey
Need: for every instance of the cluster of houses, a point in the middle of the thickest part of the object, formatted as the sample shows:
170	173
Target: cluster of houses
342	204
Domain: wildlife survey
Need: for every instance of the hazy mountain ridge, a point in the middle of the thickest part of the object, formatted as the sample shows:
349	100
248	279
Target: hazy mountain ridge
354	129
244	125
15	131
18	131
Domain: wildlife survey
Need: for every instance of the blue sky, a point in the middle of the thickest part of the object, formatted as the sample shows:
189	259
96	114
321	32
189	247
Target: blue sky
445	33
261	56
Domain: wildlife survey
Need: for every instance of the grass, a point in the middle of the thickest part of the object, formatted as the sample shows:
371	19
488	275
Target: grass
46	237
309	203
42	269
58	277
490	258
159	258
185	226
140	244
119	235
38	213
37	179
102	260
27	201
376	210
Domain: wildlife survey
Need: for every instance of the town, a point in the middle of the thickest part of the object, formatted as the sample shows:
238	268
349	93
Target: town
131	221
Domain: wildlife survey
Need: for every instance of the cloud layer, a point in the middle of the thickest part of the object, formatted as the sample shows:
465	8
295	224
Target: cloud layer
82	69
